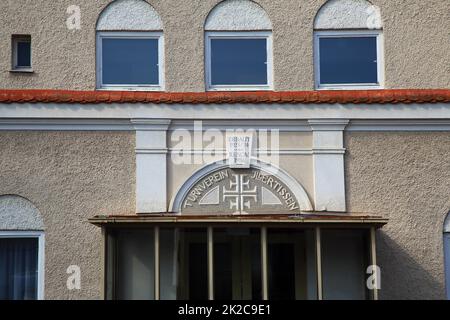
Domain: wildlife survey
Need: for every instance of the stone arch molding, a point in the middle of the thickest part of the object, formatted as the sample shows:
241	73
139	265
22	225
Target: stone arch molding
348	14
129	15
237	15
18	213
268	195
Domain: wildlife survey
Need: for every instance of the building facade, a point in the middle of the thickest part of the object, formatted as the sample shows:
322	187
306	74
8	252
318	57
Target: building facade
229	149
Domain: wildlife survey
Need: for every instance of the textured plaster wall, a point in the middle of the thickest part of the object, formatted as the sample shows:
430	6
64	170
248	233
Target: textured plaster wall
70	177
238	15
129	15
17	213
347	14
404	177
415	51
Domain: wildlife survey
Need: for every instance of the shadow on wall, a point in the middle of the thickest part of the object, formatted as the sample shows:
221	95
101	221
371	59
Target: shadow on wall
401	276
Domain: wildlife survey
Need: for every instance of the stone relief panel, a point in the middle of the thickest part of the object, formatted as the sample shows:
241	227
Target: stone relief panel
240	191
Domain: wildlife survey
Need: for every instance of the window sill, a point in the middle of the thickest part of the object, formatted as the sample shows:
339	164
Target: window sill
350	87
154	89
24	70
240	88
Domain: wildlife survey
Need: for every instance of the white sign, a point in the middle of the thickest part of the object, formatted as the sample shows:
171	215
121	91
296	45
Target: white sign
239	148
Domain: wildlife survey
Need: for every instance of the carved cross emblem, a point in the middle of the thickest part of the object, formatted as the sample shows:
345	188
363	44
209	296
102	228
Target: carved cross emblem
240	193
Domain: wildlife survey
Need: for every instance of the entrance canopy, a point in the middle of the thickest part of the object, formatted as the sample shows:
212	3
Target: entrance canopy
299	219
182	256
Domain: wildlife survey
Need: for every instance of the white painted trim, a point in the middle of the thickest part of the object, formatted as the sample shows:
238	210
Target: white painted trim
239	35
223	152
150	124
328	164
130	35
399	125
347	34
151	164
73	124
243	124
151	151
296	188
328	124
41	254
239	111
67	124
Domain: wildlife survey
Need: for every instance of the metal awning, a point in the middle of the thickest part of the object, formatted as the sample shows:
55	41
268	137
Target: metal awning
306	218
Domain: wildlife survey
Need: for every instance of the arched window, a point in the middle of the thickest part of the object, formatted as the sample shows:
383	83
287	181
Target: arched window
348	46
447	254
130	47
238	40
21	249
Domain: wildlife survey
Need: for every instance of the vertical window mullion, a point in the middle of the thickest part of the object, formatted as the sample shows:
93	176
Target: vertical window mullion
265	289
156	235
104	263
210	264
373	260
319	264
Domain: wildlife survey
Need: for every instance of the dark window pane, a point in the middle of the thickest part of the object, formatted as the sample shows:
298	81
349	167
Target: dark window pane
183	262
292	271
135	265
237	264
130	61
238	61
344	262
447	262
24	54
18	269
348	60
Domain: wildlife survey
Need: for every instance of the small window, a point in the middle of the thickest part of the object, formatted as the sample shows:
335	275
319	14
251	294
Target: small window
239	61
21	265
129	61
348	60
21	46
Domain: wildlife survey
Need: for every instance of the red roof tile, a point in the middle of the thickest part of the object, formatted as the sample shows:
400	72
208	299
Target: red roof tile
290	97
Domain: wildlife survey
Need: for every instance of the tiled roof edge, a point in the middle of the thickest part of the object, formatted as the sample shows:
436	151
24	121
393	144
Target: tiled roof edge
388	96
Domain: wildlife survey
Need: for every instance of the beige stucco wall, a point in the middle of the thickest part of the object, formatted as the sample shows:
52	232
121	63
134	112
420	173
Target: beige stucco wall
404	177
415	51
70	177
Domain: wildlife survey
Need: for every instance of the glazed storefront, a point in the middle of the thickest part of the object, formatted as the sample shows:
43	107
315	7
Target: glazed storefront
220	258
239	234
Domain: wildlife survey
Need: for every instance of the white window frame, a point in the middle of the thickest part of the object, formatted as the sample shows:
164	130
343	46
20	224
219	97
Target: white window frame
378	34
130	35
15	52
267	35
41	254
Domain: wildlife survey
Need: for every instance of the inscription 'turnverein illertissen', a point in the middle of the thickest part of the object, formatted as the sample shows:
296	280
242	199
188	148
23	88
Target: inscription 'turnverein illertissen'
240	191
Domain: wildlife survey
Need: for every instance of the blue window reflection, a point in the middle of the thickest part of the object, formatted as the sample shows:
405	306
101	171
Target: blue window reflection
238	61
24	54
130	61
349	60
